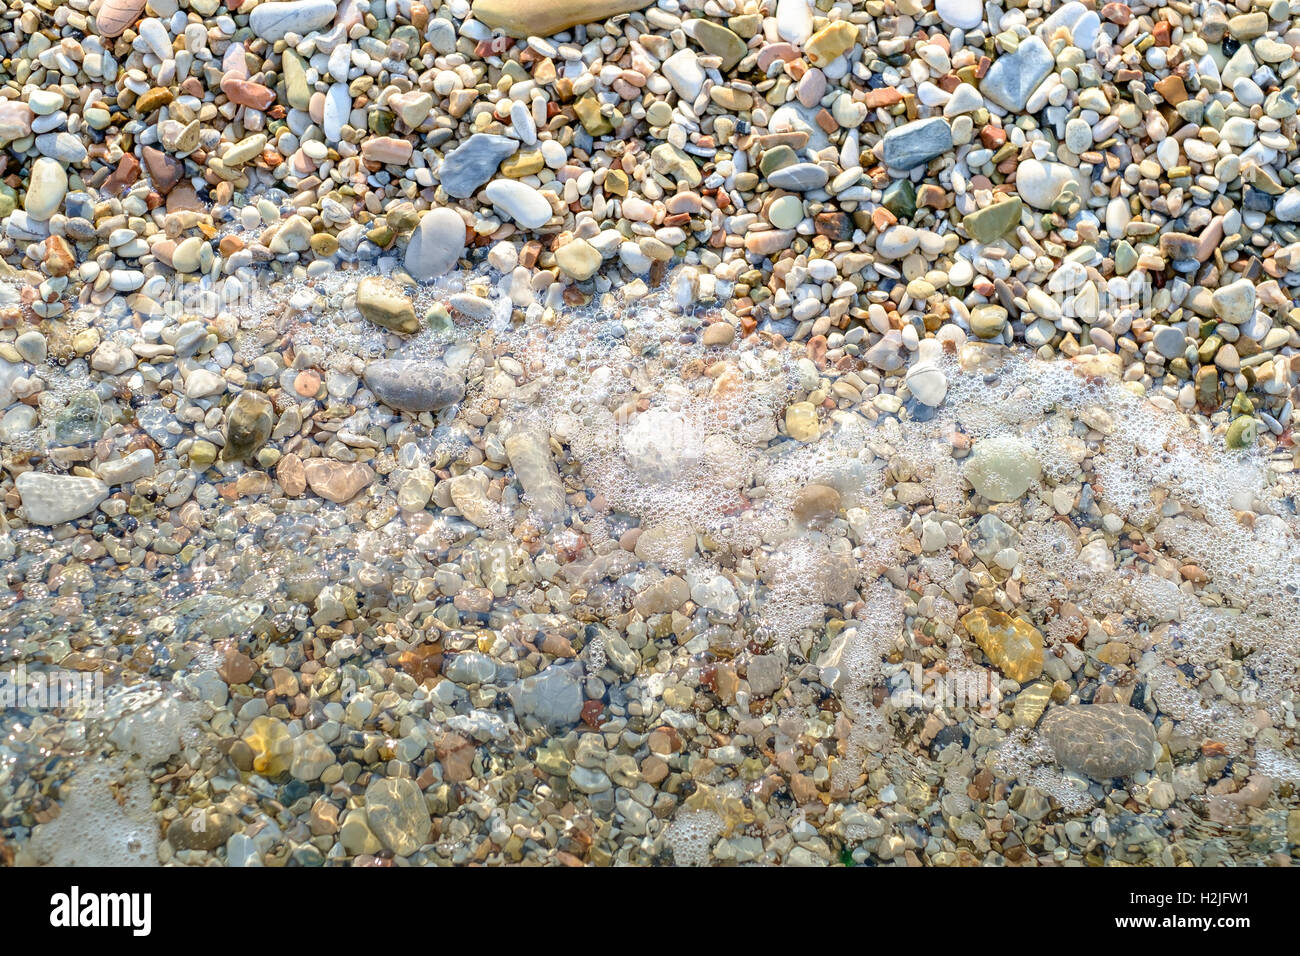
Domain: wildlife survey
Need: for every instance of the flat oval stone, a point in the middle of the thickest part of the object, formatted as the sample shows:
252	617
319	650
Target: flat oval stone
799	177
414	385
521	202
272	21
1101	741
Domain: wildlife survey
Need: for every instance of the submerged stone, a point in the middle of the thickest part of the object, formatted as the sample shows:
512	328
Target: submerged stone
1002	467
1013	644
55	499
1101	741
553	697
414	385
248	425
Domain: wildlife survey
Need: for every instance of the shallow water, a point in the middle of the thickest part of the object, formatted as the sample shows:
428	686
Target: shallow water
769	639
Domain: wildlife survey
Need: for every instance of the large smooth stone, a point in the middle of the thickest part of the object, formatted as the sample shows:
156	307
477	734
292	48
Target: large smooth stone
1101	741
542	18
436	245
116	15
414	385
56	499
272	21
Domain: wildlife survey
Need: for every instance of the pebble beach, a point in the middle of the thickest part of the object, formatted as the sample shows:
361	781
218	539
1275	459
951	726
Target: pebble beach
650	432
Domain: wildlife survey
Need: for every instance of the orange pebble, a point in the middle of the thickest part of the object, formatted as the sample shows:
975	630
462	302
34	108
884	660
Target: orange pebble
306	383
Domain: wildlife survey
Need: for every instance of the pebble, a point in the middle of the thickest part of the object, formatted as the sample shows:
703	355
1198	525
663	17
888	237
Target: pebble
140	463
993	221
794	21
115	16
927	384
1100	740
276	20
248	425
521	202
1002	467
382	301
58	499
1084	25
915	143
397	814
473	163
437	244
1040	184
1235	302
684	72
337	481
46	188
553	697
1013	644
1014	76
414	385
798	177
964	14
